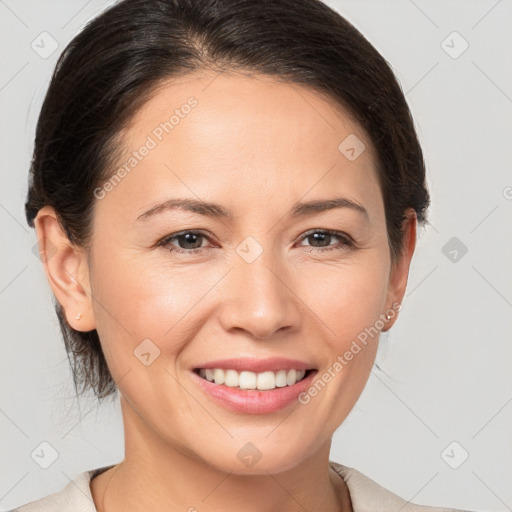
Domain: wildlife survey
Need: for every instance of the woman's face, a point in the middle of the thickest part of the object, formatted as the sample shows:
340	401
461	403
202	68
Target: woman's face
255	281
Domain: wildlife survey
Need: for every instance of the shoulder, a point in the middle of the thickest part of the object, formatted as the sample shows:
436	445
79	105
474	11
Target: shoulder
74	497
368	496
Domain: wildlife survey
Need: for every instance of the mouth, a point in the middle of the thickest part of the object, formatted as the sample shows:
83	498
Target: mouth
252	393
247	380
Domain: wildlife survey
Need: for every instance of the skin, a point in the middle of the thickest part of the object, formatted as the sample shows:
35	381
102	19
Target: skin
256	147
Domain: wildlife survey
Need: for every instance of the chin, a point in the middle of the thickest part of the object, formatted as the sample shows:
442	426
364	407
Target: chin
255	458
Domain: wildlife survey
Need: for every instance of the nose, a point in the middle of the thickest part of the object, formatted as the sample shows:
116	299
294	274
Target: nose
258	298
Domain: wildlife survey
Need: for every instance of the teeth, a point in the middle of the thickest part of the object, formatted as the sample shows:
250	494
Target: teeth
250	380
217	376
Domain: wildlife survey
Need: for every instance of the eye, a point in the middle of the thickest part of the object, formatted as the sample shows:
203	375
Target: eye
321	236
190	242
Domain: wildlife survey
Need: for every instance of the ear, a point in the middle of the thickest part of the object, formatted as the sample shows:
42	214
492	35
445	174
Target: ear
66	269
400	269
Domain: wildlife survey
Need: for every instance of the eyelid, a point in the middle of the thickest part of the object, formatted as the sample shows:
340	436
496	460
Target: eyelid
334	232
347	241
167	238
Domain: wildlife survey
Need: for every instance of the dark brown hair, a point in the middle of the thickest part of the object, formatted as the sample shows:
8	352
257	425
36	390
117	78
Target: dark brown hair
112	67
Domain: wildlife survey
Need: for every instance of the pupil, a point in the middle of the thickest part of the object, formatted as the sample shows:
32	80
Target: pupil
188	239
191	237
321	235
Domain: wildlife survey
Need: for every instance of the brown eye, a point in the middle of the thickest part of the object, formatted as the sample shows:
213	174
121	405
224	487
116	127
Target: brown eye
187	241
191	241
320	240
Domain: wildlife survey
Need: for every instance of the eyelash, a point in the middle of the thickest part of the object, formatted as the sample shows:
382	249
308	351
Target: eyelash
348	242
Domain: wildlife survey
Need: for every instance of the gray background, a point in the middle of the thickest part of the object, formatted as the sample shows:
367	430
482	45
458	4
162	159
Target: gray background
446	363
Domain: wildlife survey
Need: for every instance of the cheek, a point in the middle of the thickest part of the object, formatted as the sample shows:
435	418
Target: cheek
137	300
348	298
349	301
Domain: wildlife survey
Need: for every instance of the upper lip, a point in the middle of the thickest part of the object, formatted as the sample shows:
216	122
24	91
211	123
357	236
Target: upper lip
257	365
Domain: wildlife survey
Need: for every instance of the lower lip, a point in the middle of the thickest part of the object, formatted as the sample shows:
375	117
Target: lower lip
253	401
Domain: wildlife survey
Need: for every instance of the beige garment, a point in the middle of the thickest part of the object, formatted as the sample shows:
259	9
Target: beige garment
366	495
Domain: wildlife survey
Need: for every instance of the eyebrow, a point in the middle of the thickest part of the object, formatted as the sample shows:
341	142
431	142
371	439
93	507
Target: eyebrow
217	211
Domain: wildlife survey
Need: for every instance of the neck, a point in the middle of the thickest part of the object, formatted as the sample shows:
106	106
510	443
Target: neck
158	476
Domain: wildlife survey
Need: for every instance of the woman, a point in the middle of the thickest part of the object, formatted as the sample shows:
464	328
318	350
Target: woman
274	139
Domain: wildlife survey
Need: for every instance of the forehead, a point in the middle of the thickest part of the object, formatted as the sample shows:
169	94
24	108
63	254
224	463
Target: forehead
238	137
236	103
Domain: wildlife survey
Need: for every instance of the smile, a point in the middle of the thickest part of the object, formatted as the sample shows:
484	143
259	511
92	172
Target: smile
252	400
263	381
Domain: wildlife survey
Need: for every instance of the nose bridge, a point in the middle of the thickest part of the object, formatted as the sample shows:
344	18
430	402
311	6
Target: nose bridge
258	298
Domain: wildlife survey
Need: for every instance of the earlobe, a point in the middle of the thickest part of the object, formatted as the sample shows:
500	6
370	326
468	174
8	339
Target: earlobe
66	269
400	269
